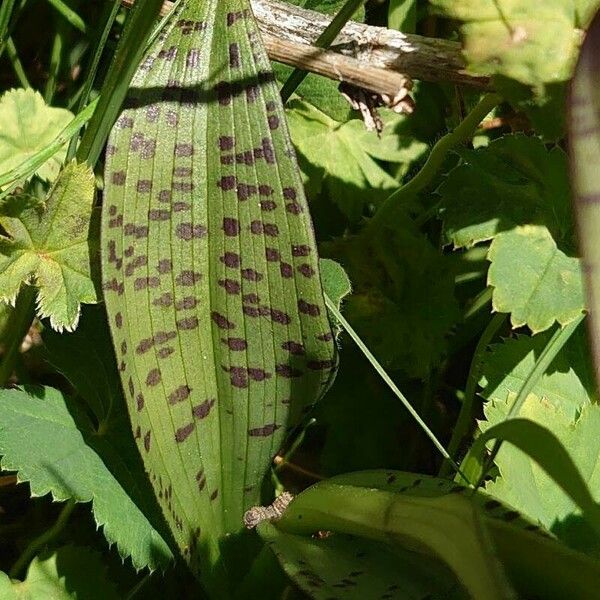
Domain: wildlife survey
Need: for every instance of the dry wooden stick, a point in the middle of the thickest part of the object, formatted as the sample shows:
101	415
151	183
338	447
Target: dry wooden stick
375	58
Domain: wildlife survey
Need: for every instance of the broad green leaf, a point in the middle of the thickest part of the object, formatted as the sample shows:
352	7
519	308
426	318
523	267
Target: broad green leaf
533	280
49	248
68	573
418	514
533	43
447	526
27	125
358	568
584	137
392	277
211	278
568	384
338	163
523	483
402	15
529	48
42	440
513	181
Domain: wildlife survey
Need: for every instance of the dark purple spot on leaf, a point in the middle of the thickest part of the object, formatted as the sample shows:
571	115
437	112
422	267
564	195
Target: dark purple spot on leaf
188	278
184	432
251	275
230	286
231	227
286	269
153	378
264	431
180	394
187	323
308	309
272	254
288	371
201	411
221	321
293	347
230	259
235	344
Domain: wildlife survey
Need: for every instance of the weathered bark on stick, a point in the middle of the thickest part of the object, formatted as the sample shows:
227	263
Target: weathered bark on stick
375	58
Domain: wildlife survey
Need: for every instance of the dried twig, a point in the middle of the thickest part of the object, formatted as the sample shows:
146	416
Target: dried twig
375	58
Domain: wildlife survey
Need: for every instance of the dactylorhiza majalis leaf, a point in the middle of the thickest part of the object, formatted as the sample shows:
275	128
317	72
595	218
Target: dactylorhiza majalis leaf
27	125
48	245
211	275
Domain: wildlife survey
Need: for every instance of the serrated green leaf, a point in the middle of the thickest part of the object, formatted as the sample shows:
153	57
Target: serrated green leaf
533	280
86	358
340	165
49	248
513	181
66	574
27	125
211	278
523	483
41	440
568	384
336	283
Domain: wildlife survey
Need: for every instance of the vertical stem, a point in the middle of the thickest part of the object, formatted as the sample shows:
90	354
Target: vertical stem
15	331
13	57
466	411
55	58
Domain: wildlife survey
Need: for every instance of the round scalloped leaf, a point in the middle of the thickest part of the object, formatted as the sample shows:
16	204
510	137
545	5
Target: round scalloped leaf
523	484
533	280
568	383
27	125
530	42
42	441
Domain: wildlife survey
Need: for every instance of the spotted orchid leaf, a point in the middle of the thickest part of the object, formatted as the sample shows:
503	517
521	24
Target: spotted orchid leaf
211	276
377	518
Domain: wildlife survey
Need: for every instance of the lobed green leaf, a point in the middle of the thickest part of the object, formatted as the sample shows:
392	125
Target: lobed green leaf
49	247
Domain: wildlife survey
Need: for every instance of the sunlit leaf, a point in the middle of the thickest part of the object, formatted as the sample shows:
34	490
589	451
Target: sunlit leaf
27	125
211	276
48	247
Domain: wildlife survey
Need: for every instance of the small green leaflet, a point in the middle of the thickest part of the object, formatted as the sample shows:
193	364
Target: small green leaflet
210	274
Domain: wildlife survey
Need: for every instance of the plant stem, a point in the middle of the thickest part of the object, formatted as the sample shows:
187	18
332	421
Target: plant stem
466	411
428	172
16	330
39	542
323	41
